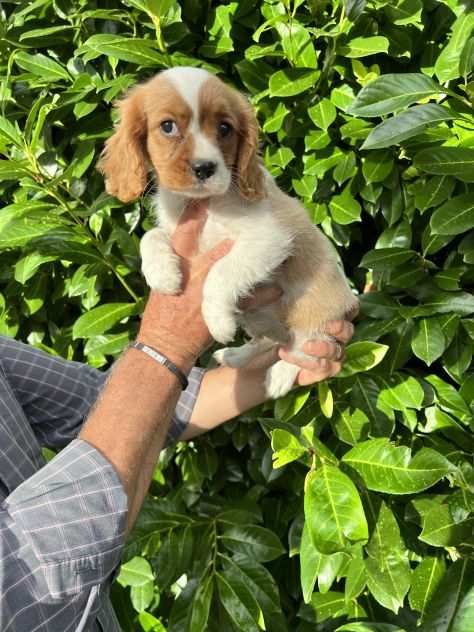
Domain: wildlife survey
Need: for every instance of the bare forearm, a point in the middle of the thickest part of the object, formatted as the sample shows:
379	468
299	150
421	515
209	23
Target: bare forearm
224	394
129	423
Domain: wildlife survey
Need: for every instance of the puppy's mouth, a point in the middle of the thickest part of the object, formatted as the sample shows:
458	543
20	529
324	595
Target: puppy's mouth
215	185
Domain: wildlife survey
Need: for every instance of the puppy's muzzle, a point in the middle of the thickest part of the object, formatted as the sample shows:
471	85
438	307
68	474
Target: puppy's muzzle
203	169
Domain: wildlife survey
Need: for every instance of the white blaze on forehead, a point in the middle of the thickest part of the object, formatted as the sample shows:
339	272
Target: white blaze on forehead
188	81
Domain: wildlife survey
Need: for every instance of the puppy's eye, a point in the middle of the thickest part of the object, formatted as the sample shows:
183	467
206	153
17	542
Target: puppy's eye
225	129
169	128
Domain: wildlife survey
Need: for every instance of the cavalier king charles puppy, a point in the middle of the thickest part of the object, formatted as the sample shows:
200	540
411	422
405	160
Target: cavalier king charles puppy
201	138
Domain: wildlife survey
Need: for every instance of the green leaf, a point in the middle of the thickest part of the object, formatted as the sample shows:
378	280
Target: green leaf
369	627
42	66
346	168
401	391
150	623
100	319
330	605
364	46
322	114
326	400
392	470
451	608
274	122
310	560
390	584
466	61
201	605
350	425
286	448
405	12
356	579
383	258
405	125
261	544
238	602
344	208
376	166
445	302
432	192
288	83
362	356
10	134
27	267
455	161
392	92
134	50
288	406
454	216
142	595
426	578
261	584
428	342
333	510
447	64
136	572
13	169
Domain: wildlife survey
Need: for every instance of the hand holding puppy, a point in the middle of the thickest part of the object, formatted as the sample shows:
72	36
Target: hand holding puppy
174	323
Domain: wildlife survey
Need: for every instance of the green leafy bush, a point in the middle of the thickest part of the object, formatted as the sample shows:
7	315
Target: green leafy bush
343	507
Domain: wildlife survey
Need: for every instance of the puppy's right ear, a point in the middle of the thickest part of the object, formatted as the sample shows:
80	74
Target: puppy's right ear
124	159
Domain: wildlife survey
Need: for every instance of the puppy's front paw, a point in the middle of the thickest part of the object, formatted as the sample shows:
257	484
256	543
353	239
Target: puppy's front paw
222	325
280	378
162	273
164	276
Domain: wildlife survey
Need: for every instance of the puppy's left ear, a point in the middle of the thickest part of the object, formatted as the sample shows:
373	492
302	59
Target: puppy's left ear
124	159
249	172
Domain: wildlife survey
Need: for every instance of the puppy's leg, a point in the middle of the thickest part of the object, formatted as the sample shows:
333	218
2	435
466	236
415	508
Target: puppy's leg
238	357
160	264
233	276
280	378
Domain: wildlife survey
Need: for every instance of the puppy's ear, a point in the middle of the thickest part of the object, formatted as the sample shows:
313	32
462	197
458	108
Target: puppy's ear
249	173
124	159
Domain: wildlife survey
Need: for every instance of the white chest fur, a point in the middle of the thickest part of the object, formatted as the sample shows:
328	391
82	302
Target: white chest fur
229	217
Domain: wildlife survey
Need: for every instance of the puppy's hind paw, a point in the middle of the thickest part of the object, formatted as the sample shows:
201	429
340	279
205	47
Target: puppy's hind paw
280	378
231	356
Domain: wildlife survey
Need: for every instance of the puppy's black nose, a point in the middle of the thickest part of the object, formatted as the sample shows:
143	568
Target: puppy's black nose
203	169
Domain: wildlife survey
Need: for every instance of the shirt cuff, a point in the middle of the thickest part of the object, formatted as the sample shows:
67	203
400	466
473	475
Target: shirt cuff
185	406
73	514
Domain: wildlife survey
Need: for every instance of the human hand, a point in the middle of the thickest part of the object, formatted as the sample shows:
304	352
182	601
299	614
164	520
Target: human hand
173	324
328	356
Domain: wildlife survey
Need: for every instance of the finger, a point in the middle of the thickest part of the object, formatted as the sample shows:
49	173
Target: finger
342	330
306	377
310	364
186	236
262	295
333	350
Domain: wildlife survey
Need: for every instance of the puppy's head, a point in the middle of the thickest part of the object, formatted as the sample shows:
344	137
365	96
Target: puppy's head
199	135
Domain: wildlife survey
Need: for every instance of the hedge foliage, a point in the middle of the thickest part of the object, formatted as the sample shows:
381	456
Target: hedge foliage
347	506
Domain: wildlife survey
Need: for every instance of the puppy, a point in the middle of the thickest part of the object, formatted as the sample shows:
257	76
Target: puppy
201	138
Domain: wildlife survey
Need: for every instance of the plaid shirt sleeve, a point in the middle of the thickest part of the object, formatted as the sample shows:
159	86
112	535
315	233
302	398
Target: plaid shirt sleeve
71	515
57	394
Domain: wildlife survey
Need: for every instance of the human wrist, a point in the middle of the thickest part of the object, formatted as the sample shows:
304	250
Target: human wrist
184	359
